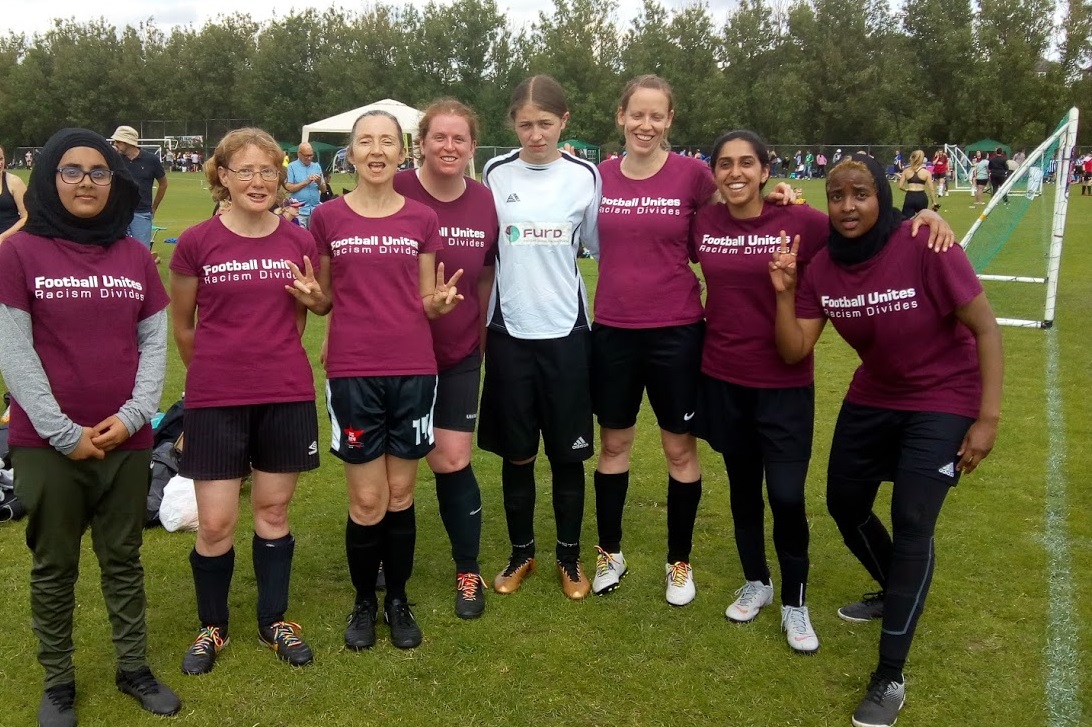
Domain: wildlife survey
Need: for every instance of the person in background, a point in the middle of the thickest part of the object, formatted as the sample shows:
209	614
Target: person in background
305	182
13	212
916	181
147	170
84	326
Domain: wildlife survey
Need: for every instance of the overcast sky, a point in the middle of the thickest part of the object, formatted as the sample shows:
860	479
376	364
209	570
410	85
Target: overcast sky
35	16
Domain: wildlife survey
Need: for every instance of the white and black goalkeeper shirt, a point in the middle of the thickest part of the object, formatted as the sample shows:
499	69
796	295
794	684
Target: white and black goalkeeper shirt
545	213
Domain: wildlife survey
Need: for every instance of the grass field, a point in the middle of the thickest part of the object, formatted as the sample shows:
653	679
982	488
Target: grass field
991	647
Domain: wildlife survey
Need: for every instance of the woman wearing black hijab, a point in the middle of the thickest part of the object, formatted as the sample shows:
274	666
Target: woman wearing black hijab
923	407
83	321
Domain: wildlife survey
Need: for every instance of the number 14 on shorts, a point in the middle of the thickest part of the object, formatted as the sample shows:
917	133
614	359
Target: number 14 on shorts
422	429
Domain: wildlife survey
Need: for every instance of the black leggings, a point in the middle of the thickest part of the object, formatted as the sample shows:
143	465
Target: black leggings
785	486
903	564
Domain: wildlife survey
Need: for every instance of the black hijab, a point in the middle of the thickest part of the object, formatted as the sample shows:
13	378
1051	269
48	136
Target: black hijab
845	251
47	217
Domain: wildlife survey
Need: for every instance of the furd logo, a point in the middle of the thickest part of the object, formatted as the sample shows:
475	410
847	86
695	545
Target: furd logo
557	233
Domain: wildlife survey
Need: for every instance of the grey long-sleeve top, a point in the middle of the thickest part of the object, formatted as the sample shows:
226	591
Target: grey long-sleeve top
26	379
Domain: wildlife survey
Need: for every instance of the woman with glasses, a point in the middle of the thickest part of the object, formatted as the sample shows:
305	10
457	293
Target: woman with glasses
84	326
239	307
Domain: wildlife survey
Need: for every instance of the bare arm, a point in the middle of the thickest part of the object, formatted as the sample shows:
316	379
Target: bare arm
485	288
979	318
160	192
18	190
795	337
184	314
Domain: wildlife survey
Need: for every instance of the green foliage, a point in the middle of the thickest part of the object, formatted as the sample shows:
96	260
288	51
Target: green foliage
826	71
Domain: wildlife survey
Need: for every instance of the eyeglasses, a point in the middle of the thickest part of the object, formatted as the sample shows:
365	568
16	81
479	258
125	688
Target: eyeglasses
269	174
75	175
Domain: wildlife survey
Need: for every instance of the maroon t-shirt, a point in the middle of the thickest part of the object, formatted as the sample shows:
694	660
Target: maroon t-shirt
897	311
85	302
379	327
740	305
247	348
468	232
645	279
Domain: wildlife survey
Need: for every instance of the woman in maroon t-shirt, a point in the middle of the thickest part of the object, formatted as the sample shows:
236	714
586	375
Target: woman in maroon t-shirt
84	331
923	406
378	260
448	135
250	396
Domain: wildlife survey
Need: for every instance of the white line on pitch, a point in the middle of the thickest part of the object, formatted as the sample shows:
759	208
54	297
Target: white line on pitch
1063	702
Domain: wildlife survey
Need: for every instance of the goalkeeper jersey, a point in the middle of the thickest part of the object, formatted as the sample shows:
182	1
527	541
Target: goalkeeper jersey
546	211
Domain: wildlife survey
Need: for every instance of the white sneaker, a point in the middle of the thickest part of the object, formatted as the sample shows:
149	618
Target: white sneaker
796	623
680	583
751	598
609	569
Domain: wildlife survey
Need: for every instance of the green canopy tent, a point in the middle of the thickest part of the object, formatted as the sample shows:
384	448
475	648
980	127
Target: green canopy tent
988	146
583	148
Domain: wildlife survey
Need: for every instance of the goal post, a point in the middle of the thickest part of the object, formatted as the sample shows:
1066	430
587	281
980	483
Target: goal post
1017	221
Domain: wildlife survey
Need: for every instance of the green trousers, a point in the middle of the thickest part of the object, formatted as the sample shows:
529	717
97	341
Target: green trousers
63	498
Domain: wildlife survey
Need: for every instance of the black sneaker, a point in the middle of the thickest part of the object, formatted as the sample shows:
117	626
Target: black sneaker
284	638
380	579
469	595
201	656
405	633
154	696
58	707
869	608
360	633
880	706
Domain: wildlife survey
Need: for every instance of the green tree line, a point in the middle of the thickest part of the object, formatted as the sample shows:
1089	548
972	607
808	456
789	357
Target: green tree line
814	71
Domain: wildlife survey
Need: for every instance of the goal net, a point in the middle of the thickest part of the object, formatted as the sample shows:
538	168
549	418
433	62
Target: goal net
1018	237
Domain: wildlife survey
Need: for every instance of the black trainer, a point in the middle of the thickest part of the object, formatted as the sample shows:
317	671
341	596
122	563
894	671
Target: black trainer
405	633
360	633
469	595
154	696
201	656
380	579
58	707
880	706
869	608
284	638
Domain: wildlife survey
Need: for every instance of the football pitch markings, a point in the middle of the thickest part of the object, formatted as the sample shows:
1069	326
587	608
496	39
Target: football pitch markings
1063	702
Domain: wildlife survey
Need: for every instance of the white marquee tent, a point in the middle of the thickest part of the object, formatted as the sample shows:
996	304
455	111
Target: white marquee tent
407	116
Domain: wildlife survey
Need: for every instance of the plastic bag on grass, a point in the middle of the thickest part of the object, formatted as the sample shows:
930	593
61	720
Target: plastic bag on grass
178	511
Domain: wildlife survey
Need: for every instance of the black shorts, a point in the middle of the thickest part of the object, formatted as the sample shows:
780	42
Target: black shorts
371	416
938	177
874	444
982	182
457	395
742	420
225	442
534	386
665	361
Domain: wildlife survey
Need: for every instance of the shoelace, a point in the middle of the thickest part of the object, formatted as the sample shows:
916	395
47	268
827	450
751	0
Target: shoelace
362	611
208	640
796	621
284	632
747	594
571	569
467	584
872	598
603	562
878	687
677	574
514	564
63	696
400	610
